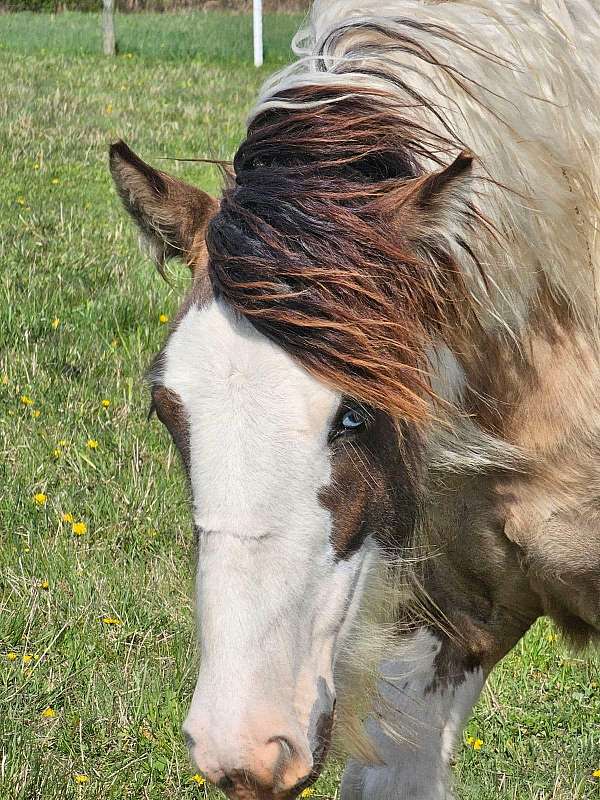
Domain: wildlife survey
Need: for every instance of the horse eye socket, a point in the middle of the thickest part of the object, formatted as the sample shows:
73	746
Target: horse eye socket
352	420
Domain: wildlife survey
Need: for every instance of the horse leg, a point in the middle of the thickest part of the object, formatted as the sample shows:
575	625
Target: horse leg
427	694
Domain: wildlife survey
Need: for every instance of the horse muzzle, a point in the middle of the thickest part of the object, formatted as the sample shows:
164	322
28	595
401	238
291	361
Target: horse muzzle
250	764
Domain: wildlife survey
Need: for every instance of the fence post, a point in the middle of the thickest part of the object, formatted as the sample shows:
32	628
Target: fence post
258	34
108	28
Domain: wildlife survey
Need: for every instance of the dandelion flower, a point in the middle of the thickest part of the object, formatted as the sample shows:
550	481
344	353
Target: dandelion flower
307	792
36	166
473	742
40	499
111	621
596	773
163	318
62	443
67	517
27	401
57	452
44	585
55	322
55	181
48	713
21	201
92	444
197	778
79	528
36	413
28	658
105	403
79	778
11	656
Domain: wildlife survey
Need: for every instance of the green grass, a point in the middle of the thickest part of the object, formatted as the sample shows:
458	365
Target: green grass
66	252
154	37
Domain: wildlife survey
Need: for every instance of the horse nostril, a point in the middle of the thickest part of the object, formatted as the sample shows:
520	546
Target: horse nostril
226	784
189	740
287	748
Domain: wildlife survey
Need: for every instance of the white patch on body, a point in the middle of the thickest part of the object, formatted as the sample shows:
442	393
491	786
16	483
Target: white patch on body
416	728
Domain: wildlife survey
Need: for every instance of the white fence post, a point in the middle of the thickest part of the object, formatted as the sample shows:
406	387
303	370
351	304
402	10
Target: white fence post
108	28
258	34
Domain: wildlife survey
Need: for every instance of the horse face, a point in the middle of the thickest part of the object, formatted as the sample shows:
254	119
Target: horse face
291	484
280	524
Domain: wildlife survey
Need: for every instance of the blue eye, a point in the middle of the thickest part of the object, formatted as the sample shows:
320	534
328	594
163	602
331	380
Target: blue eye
352	420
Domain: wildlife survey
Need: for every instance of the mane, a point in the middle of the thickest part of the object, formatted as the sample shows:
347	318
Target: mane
322	242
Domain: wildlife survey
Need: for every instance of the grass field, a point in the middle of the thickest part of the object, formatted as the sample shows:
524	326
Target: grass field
98	627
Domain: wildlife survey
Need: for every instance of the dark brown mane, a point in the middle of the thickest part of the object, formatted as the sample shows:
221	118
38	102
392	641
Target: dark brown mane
319	244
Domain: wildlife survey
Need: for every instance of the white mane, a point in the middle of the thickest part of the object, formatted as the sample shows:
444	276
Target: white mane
518	83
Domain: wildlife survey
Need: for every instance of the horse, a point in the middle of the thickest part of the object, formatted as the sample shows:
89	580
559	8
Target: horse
383	385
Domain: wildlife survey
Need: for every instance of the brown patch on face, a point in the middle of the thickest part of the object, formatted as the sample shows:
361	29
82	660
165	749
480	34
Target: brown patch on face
170	412
373	488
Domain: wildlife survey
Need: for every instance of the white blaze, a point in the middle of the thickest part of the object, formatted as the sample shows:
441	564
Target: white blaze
271	596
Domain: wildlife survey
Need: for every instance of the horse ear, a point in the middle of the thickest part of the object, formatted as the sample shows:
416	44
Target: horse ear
171	215
434	206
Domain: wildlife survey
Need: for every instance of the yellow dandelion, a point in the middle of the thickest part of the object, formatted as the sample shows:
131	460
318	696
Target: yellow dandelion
105	403
27	401
21	201
469	740
57	452
40	499
36	413
48	713
36	166
28	658
197	778
44	585
55	181
596	773
27	549
55	322
79	528
92	444
80	778
477	744
62	443
163	318
307	792
129	55
67	517
11	656
111	621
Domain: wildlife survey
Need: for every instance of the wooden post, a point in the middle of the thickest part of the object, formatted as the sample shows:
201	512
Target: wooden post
258	34
108	28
